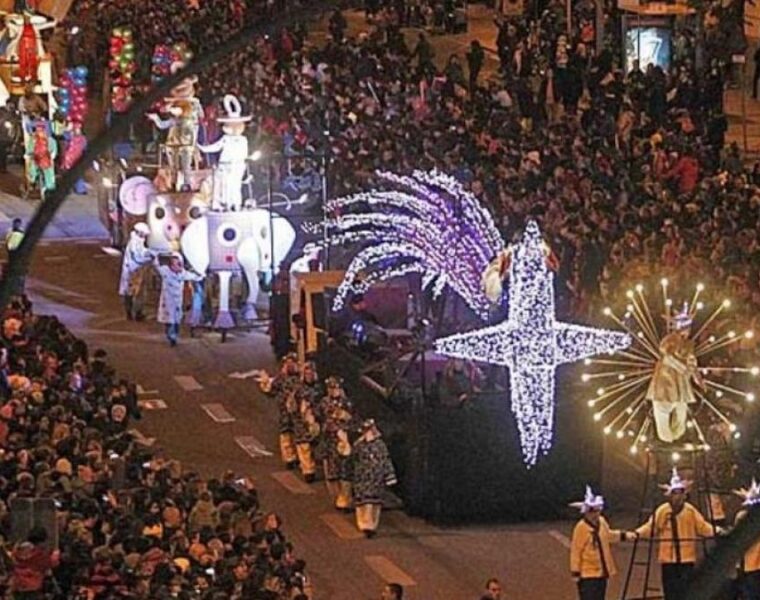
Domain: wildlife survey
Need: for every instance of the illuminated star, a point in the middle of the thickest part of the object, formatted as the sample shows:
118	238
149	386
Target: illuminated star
532	343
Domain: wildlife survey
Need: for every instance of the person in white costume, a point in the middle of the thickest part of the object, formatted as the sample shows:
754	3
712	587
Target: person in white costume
230	173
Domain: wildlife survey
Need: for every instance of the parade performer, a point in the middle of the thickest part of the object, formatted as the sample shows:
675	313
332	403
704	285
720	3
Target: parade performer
591	561
136	258
337	419
373	471
74	147
676	524
305	425
670	390
185	112
173	278
283	387
24	43
230	173
749	568
41	151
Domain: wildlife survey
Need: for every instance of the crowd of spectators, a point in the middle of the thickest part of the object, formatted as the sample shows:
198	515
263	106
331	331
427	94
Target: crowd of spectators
130	522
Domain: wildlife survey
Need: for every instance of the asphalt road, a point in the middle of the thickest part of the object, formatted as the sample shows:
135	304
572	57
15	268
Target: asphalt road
78	283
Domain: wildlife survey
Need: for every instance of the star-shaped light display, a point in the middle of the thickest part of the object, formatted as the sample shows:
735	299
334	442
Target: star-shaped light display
532	344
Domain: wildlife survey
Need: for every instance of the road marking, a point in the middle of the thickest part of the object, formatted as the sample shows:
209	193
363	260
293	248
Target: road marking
388	570
188	383
152	404
218	413
292	483
341	527
56	258
252	447
141	391
559	537
110	251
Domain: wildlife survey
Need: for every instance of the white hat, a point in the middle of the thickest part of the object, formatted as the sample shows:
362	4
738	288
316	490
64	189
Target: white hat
141	228
751	495
676	484
590	502
234	109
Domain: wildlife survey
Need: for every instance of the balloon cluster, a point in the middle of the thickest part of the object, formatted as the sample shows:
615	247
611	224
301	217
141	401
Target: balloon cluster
164	56
122	68
72	94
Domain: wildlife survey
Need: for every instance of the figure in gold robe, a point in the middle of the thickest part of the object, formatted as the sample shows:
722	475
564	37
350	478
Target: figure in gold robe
671	389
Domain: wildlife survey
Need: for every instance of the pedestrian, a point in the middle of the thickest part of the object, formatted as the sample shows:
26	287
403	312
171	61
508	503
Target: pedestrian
173	278
137	257
373	471
8	127
32	563
677	525
305	424
749	568
284	387
591	561
337	417
493	590
475	57
393	591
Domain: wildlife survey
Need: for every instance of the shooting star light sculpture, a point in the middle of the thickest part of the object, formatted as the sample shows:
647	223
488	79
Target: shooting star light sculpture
532	344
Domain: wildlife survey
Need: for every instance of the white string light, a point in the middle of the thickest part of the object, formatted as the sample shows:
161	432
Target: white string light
532	343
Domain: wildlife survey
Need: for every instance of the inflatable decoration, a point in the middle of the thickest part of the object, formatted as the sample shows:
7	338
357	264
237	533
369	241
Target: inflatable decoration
122	68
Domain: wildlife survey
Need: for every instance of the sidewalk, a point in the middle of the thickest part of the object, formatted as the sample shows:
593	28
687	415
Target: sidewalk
77	218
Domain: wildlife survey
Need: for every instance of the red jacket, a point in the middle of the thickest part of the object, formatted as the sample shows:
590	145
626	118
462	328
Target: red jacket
30	564
687	172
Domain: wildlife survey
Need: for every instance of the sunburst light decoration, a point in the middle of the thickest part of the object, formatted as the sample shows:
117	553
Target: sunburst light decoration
627	384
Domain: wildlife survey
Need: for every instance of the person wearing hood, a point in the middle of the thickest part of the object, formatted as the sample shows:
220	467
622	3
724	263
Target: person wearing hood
373	470
136	257
591	561
173	278
31	564
677	525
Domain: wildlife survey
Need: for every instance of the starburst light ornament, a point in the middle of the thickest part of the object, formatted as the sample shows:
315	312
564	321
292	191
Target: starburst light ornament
532	343
674	382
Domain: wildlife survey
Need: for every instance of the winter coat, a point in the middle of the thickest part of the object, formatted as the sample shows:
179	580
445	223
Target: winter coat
172	286
687	172
204	514
30	565
373	470
136	257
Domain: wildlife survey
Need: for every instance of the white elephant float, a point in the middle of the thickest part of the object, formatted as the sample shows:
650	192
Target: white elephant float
250	241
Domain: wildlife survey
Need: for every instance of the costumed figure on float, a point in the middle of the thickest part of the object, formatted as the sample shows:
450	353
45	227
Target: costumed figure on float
41	152
231	171
671	390
185	113
24	44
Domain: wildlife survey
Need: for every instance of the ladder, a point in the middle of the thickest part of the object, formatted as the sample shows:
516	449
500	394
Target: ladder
659	462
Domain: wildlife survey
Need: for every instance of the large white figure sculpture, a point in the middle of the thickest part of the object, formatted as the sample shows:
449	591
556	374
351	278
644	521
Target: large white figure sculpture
250	241
230	173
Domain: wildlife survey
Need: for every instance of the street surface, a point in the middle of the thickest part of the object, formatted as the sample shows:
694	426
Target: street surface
212	422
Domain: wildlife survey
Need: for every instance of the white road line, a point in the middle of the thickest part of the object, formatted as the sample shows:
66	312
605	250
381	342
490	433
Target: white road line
252	447
140	438
388	570
218	413
341	526
188	383
56	258
141	391
291	482
559	537
152	404
110	251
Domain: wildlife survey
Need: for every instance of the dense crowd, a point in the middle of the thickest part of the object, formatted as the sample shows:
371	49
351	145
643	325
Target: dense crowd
130	521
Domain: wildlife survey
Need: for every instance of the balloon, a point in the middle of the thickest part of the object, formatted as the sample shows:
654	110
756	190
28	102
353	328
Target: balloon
81	72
